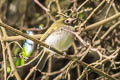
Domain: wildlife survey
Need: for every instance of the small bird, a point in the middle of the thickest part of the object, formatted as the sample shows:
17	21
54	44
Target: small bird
57	37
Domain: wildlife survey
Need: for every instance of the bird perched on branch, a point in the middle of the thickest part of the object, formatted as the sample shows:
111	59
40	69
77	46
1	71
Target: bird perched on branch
58	37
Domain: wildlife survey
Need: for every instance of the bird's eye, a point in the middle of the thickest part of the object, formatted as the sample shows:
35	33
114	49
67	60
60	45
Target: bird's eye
67	22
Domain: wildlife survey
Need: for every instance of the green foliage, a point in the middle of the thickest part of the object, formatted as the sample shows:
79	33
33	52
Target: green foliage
19	62
24	53
8	69
81	16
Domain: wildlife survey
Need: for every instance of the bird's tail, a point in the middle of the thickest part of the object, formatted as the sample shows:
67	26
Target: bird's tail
43	59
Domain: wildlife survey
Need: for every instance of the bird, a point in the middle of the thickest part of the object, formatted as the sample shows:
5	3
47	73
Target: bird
58	37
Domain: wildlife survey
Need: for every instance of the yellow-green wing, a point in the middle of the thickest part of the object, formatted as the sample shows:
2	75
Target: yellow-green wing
57	24
52	28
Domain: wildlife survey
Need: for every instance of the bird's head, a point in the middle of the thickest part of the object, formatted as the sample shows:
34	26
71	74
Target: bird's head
67	21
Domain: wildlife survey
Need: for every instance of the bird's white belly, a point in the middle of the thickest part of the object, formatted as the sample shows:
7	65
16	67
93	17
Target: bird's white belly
60	40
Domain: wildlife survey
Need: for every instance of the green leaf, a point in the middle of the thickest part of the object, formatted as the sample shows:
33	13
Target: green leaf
81	15
25	54
18	62
22	61
16	50
8	69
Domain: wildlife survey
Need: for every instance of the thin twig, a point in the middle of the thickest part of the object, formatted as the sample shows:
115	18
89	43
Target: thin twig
4	53
44	8
107	32
17	38
107	12
14	70
10	57
82	5
97	24
114	7
4	60
57	72
58	6
92	13
31	61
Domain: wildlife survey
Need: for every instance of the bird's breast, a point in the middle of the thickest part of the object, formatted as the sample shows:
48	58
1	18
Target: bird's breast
60	39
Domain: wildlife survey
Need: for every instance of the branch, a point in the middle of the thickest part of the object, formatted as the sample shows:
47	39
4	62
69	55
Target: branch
97	24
